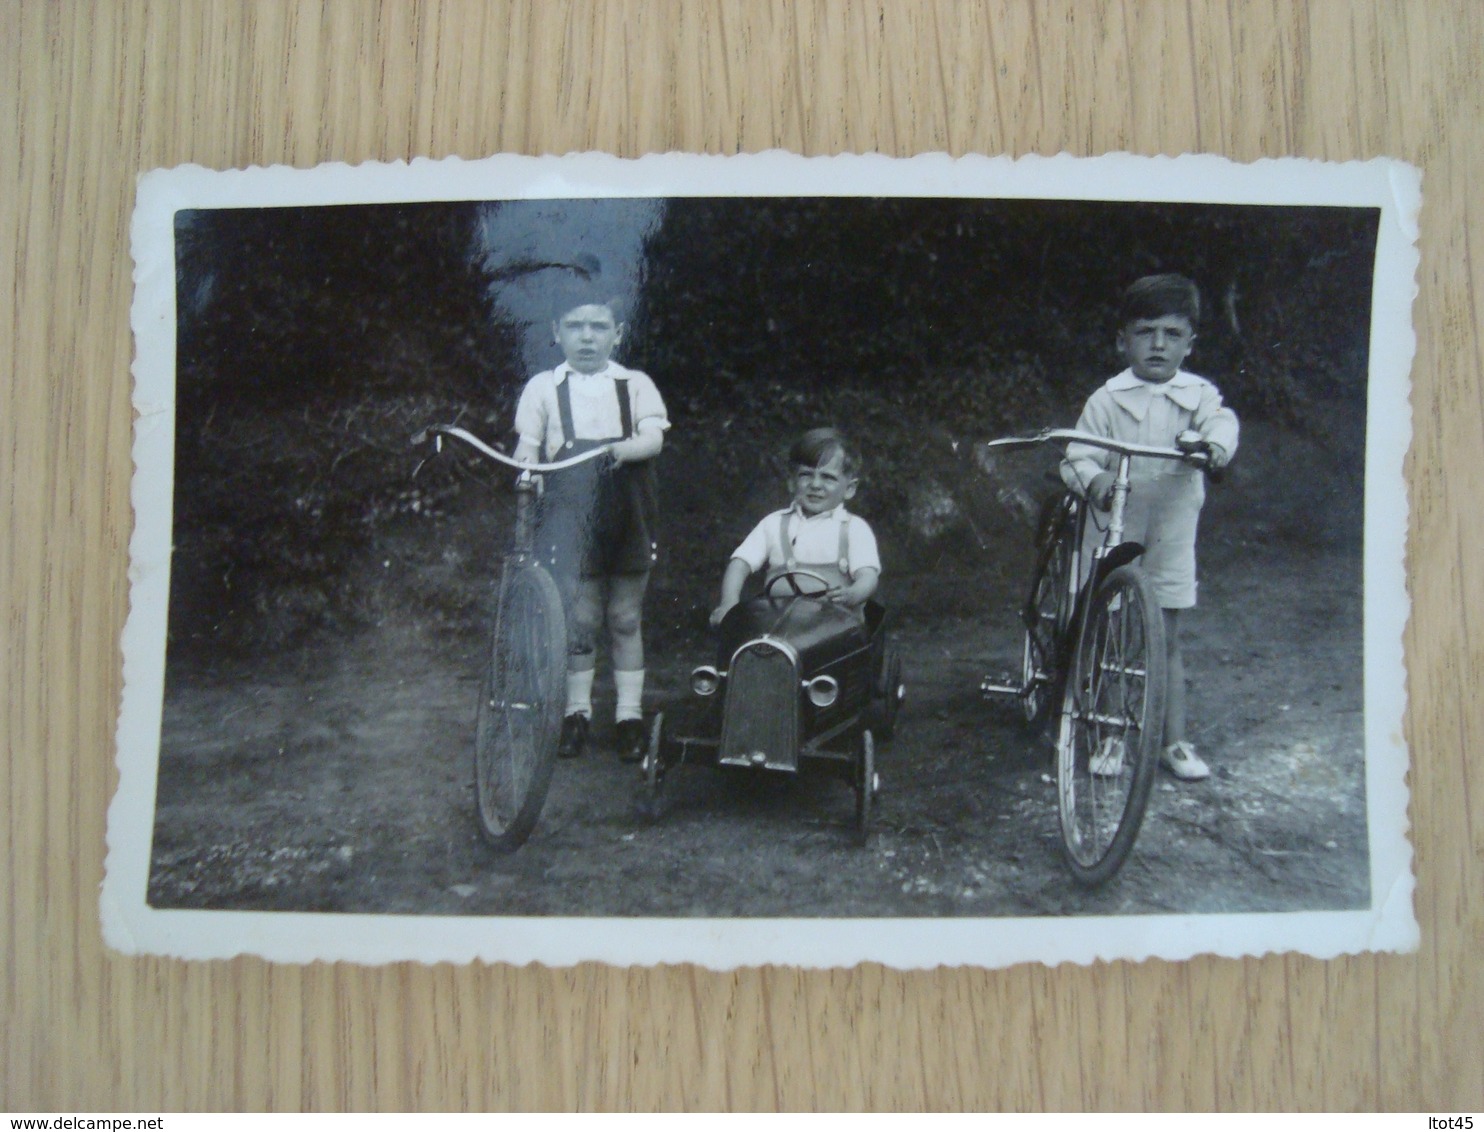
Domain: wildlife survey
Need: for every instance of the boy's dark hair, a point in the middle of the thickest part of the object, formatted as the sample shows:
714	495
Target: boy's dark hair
819	445
570	298
582	283
1155	296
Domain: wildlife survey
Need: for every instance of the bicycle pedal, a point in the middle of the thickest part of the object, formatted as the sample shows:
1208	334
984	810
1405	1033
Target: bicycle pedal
1000	685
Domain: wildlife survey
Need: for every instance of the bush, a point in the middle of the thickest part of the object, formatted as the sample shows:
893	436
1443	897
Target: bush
312	344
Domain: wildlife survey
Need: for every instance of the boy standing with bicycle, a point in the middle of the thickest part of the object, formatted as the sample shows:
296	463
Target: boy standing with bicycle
1155	402
595	528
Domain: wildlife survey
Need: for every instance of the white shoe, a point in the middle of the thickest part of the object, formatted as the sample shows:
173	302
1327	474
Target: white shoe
1181	760
1108	762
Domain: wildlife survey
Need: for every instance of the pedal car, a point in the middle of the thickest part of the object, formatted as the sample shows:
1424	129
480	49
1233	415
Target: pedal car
798	679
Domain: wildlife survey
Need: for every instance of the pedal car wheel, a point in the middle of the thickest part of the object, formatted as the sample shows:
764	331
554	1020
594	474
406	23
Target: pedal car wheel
890	692
519	721
867	784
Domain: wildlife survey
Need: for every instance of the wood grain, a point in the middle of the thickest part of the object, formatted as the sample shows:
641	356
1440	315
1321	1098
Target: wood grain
92	95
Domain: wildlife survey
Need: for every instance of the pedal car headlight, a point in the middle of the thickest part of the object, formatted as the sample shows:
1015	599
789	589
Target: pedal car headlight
823	690
705	680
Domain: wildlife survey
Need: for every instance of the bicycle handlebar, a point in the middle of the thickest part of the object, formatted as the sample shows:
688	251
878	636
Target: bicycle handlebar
1071	435
440	431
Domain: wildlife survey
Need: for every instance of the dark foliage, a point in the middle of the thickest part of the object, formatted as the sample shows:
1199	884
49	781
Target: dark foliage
976	310
917	324
312	343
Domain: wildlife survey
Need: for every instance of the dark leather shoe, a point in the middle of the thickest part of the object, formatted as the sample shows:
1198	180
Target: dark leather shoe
629	740
574	736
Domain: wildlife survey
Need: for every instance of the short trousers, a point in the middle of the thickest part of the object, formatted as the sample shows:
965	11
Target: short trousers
596	525
1162	515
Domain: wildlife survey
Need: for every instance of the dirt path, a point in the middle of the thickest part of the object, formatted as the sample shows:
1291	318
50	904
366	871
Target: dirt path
342	782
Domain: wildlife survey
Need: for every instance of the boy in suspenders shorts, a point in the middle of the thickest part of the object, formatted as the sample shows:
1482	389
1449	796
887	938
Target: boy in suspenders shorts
595	528
816	533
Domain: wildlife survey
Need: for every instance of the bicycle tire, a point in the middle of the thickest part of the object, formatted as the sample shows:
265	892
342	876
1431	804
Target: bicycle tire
866	784
519	720
651	792
1047	609
1112	709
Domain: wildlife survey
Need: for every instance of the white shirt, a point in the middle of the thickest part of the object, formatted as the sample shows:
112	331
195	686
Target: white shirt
1130	409
813	539
595	415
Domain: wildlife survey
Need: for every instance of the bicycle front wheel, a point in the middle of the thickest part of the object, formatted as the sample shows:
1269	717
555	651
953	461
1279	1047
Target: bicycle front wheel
1112	720
520	711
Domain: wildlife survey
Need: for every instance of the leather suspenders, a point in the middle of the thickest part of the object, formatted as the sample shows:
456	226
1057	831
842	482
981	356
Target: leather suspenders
564	407
786	547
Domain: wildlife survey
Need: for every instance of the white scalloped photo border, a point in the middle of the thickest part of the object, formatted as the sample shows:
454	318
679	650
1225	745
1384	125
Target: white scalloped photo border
130	925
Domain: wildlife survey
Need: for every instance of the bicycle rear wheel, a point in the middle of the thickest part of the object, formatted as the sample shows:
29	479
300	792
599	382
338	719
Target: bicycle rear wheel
520	711
1048	607
1112	719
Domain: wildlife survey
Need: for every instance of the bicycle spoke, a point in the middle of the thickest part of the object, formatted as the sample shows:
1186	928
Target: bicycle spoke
516	729
1112	703
517	714
1098	786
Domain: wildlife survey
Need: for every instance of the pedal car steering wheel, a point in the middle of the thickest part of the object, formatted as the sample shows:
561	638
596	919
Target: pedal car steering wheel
793	578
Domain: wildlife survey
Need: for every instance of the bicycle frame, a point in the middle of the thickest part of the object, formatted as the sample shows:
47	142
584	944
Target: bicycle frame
1107	660
528	485
518	718
1112	552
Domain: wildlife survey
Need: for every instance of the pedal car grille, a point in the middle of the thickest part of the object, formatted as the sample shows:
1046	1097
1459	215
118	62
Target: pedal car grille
760	726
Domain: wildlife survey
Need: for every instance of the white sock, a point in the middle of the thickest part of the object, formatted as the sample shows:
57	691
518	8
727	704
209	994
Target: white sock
580	693
630	688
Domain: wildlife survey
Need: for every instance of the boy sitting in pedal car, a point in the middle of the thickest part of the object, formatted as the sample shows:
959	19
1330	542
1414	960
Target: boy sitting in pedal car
815	533
1155	402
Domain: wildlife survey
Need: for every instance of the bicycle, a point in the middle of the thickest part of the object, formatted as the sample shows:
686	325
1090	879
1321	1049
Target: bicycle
1094	641
519	720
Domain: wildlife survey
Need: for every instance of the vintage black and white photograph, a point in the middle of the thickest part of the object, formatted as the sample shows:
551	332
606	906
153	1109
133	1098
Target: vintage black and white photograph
760	560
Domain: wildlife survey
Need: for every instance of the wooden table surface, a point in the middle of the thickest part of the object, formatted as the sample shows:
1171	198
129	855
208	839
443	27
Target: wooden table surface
92	95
